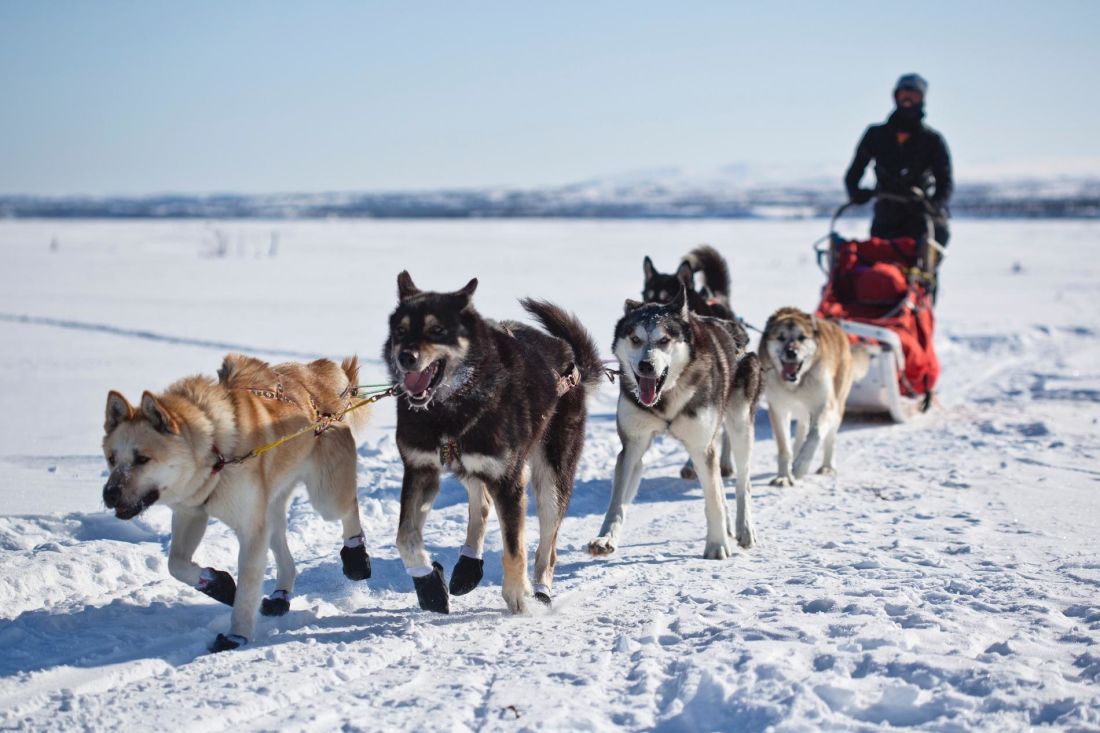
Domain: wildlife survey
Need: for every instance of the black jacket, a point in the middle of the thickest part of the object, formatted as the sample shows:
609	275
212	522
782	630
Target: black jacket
923	161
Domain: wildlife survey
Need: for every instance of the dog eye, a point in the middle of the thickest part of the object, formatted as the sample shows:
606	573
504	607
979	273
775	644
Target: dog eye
400	331
665	341
436	331
111	460
140	460
802	338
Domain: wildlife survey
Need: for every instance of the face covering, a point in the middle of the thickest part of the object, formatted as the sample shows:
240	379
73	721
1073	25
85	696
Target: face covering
908	119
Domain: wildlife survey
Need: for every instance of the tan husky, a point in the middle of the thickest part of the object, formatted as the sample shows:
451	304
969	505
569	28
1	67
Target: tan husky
808	373
177	448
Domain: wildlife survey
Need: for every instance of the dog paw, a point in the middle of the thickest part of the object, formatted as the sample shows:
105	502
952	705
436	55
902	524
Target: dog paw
782	481
466	575
746	537
688	472
217	584
826	471
516	598
277	604
226	643
431	591
601	546
727	471
718	550
543	598
356	562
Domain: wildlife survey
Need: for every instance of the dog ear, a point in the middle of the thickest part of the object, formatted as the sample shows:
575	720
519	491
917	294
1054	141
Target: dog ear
817	329
157	415
648	268
679	303
468	289
406	288
631	305
118	411
685	274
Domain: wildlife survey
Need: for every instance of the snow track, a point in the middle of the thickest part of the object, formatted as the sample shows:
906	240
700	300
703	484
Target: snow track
947	579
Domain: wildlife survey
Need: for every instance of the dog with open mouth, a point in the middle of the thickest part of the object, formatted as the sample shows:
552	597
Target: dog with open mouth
808	372
712	299
496	404
176	449
688	375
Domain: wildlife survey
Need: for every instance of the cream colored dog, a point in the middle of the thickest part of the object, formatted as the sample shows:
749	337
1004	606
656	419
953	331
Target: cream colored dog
808	373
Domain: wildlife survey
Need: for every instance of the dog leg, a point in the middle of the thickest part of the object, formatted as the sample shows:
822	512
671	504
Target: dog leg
331	486
781	428
628	476
740	422
188	528
719	542
251	561
805	453
470	568
419	488
545	478
688	472
828	464
510	498
278	603
726	463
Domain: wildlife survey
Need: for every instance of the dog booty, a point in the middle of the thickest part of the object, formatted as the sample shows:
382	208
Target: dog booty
466	575
431	591
356	562
217	584
277	604
226	643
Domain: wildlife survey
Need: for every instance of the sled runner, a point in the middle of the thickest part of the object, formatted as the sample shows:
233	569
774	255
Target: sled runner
881	292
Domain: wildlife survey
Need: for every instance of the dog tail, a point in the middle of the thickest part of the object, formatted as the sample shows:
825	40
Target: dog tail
716	274
861	362
356	419
586	357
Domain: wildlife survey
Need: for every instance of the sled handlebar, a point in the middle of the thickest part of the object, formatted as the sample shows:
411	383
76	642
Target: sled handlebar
915	196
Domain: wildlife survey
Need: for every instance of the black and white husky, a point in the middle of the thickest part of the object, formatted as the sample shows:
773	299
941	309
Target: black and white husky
713	299
688	375
495	404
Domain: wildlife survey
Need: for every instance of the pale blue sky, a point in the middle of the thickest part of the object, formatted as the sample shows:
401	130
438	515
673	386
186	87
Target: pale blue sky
140	97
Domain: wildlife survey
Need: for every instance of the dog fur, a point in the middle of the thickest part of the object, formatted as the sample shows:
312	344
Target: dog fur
808	373
166	451
713	299
688	375
481	399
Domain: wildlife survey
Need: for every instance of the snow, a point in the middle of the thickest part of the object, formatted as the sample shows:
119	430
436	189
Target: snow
947	579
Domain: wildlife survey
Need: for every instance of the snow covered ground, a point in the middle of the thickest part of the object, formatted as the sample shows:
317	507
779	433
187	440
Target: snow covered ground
947	579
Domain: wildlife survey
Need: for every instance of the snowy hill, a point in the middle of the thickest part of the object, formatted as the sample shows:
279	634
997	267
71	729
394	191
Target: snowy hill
947	579
733	191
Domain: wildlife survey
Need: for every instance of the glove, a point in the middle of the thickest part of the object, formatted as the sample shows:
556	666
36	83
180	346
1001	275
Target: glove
861	195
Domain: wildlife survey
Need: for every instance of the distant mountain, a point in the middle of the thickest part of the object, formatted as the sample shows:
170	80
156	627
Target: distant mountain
732	191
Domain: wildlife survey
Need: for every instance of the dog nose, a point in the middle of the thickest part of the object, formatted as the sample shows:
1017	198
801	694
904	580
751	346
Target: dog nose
646	369
407	359
112	492
790	352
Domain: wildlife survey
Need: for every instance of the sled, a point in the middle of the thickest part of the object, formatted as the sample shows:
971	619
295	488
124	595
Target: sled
881	293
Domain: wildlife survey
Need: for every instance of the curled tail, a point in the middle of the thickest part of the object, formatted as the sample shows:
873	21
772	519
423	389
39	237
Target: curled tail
356	419
565	326
716	274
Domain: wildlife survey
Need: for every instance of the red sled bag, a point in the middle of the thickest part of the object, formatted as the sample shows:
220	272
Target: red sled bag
874	282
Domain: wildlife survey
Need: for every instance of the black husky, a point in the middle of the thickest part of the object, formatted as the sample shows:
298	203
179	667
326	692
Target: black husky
495	404
714	297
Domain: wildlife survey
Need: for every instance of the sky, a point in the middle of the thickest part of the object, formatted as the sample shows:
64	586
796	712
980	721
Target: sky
132	98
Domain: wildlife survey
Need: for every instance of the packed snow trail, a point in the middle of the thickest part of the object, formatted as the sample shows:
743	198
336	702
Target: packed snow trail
947	579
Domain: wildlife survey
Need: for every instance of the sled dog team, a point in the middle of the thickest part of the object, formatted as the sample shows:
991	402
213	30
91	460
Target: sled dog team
499	404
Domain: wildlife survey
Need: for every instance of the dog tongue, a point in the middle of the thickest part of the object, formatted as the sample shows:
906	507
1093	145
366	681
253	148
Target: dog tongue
647	390
417	382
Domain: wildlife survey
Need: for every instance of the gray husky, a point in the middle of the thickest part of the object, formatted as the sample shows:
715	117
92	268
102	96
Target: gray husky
688	375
